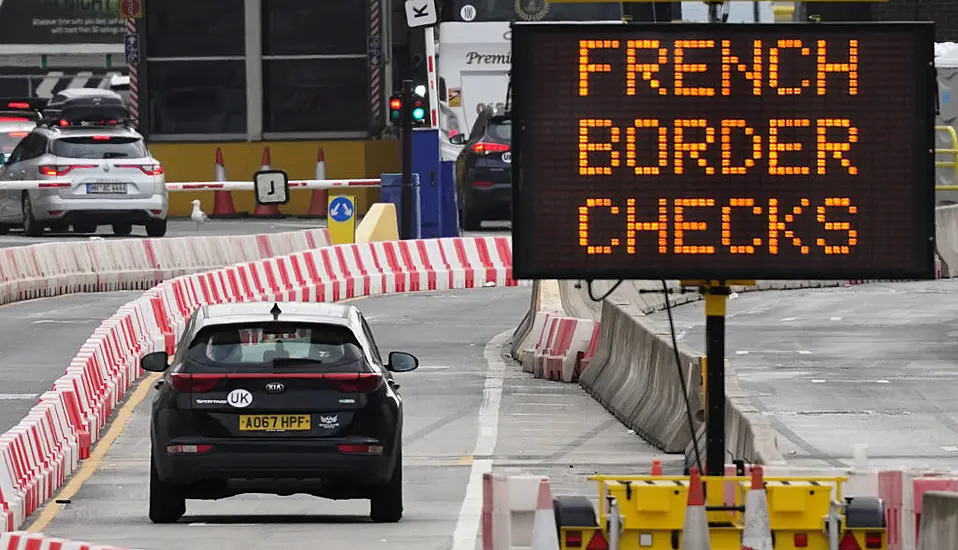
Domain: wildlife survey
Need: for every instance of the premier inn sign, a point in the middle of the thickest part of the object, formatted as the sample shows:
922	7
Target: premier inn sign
61	22
479	58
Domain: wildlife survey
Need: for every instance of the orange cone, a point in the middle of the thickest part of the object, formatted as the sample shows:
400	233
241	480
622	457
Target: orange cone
266	210
695	532
545	534
656	467
319	200
222	200
757	534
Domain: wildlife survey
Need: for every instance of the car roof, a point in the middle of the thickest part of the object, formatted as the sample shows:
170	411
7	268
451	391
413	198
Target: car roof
73	93
294	312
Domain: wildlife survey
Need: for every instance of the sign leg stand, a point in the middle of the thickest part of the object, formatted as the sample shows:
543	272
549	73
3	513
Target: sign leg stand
716	295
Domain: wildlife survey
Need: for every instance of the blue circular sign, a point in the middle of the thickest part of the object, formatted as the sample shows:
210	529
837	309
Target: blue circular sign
341	209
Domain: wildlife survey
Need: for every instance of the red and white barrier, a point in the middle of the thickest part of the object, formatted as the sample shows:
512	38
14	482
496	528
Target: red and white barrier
34	541
509	505
39	453
249	186
559	346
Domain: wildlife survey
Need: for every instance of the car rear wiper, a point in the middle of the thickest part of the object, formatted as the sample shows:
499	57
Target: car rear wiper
295	361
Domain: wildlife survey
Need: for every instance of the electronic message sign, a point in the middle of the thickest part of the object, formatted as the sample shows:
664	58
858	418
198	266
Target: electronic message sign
683	151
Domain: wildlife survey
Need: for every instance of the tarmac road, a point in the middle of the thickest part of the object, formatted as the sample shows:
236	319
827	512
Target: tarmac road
875	364
468	410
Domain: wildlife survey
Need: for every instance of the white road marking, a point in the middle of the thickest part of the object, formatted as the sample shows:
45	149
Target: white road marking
804	352
17	396
834	318
850	381
431	367
789	319
470	515
65	321
742	352
949	448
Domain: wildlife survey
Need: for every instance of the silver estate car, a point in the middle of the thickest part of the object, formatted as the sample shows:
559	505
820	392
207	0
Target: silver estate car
115	181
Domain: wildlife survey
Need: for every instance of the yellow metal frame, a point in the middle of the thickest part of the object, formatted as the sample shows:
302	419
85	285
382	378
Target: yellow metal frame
953	163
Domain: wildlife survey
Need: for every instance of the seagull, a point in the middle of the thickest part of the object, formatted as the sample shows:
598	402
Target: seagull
198	215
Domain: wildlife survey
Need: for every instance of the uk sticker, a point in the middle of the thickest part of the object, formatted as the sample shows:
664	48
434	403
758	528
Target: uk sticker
239	398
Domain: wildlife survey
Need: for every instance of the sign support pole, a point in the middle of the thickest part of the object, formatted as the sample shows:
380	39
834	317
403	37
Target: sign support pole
716	295
406	202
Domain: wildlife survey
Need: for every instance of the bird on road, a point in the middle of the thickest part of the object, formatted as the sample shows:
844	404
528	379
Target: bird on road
198	215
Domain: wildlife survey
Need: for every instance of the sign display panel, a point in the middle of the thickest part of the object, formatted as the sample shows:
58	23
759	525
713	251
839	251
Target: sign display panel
723	151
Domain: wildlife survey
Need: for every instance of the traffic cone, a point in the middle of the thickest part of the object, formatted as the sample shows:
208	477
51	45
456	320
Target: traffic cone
695	532
266	210
757	534
319	201
656	467
222	200
545	534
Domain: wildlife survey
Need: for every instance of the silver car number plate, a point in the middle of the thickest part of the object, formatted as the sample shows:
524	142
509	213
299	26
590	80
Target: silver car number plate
106	188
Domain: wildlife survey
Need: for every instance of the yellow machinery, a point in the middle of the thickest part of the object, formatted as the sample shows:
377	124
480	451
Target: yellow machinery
650	513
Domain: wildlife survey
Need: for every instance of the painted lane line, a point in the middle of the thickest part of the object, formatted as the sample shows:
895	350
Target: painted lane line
470	515
18	396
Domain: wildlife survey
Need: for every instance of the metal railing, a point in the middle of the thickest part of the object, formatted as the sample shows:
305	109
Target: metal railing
953	163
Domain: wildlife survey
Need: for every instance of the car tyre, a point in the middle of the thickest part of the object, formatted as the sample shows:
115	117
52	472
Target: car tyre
82	228
122	229
31	227
470	219
386	503
167	505
156	228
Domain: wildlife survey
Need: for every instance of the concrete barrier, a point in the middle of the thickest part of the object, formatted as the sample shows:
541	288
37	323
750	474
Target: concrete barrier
939	521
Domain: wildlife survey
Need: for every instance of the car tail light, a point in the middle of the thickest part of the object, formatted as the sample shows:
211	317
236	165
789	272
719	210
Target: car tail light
101	138
848	542
18	134
199	383
18	105
62	169
358	382
188	449
485	148
873	539
360	449
598	542
481	183
801	540
573	539
13	119
148	169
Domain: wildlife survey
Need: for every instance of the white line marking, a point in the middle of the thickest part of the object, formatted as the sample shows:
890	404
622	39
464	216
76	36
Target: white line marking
949	448
742	352
789	318
470	515
804	352
17	396
431	367
834	318
64	322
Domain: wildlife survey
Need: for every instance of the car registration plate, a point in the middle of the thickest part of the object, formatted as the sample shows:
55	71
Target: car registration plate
274	422
106	188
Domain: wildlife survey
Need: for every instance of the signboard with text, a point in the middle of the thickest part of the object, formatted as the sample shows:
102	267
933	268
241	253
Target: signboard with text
61	22
723	151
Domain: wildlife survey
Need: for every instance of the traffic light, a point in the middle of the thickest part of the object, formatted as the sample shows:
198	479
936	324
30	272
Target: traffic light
395	108
418	111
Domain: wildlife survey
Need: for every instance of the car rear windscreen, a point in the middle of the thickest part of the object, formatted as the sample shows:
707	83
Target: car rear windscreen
100	147
9	140
299	347
500	129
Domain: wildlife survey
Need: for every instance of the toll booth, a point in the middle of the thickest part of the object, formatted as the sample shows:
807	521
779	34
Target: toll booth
243	75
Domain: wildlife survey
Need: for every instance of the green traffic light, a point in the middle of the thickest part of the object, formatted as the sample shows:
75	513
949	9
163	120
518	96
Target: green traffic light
418	113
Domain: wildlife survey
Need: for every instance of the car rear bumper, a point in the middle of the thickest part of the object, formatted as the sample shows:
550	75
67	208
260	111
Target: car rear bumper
491	200
274	460
104	211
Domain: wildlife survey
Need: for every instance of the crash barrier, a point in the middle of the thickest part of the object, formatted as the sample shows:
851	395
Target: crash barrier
39	453
34	541
657	511
508	510
939	527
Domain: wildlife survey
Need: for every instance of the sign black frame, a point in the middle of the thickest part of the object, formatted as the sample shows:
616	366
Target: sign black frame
923	138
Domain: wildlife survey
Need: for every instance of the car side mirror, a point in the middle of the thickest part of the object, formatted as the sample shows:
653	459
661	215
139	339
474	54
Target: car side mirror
458	139
400	361
158	361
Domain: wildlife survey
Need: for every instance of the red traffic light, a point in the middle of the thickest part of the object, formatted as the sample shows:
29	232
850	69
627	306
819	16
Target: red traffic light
395	103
